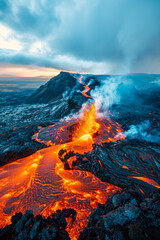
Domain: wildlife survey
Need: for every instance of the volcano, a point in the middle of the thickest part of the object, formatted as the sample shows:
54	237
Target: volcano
101	163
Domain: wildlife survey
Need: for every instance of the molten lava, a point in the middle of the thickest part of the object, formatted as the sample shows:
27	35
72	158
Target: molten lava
86	88
40	182
147	180
88	124
101	130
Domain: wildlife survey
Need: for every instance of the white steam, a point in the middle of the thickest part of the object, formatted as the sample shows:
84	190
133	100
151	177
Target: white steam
111	91
143	131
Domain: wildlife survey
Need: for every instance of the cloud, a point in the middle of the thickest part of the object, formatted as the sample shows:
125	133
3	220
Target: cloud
4	7
109	36
58	61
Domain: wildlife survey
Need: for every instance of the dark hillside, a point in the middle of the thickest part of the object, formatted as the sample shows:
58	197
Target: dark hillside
54	89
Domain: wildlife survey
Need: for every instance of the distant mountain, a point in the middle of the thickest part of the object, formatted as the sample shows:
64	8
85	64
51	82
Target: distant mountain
54	89
64	93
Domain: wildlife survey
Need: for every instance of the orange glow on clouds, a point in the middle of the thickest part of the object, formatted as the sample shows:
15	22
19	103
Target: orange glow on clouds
11	70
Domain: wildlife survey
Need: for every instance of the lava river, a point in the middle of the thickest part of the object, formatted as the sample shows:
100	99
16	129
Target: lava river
40	183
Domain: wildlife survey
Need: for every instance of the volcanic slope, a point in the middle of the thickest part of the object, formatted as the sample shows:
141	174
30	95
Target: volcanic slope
124	163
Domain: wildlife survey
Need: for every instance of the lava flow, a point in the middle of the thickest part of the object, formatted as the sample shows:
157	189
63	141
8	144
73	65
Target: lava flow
86	88
40	182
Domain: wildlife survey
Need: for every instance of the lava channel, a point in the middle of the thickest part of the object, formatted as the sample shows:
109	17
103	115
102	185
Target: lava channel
40	182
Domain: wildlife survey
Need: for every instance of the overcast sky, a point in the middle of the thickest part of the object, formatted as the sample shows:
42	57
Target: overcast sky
98	36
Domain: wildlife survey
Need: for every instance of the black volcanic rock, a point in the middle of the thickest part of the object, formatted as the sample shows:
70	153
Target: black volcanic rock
30	227
120	163
54	89
16	143
134	217
126	221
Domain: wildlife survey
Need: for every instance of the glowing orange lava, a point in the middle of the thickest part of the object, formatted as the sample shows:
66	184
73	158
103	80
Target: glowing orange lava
101	130
147	180
40	182
88	124
86	88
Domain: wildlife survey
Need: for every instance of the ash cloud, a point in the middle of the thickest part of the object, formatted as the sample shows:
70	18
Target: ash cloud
101	36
